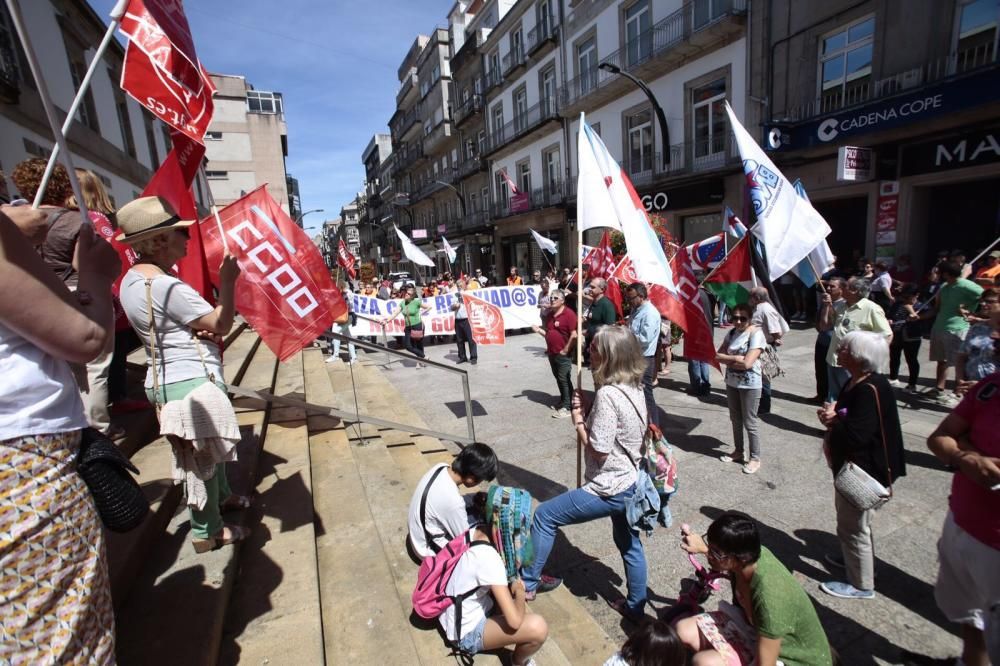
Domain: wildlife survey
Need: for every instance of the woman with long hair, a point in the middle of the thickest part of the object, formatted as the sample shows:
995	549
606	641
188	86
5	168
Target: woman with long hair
611	430
181	332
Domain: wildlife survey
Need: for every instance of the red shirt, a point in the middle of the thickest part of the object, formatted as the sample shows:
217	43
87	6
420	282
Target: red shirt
977	509
558	329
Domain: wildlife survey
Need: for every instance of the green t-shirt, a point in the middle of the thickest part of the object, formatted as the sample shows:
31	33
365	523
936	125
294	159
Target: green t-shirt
411	312
783	610
602	313
953	297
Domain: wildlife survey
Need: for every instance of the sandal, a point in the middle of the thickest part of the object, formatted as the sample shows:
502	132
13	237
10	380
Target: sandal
235	502
236	533
619	606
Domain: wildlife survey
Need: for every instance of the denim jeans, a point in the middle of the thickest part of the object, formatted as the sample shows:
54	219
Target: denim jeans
837	379
698	374
579	506
649	381
562	370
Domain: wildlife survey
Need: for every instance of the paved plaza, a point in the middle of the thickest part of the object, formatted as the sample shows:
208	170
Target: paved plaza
791	497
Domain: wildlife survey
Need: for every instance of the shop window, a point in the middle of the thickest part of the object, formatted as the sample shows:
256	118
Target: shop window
846	65
709	113
976	38
700	227
638	36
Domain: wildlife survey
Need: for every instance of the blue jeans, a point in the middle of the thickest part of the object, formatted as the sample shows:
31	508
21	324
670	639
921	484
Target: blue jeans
649	382
698	374
579	506
837	379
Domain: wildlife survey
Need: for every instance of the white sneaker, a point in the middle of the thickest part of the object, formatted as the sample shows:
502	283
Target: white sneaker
895	383
352	361
333	359
561	413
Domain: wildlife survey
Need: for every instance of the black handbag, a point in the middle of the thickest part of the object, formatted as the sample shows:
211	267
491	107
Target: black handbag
120	501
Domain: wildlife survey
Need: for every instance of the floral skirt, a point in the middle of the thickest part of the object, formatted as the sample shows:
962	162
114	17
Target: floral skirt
55	598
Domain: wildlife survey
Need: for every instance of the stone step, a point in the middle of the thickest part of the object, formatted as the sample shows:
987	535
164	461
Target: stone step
276	594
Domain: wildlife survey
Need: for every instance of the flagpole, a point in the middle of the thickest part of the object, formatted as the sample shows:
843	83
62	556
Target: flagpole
215	210
819	278
116	16
50	110
719	265
579	352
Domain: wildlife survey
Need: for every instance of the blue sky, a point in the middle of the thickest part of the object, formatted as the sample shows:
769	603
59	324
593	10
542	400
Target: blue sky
335	63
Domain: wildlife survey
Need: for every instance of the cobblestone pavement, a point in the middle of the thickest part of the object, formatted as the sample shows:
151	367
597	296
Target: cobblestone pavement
792	495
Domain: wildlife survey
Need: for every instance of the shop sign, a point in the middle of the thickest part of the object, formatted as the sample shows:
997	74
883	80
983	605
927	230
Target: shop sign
927	102
854	164
442	228
520	202
966	150
886	216
419	233
707	193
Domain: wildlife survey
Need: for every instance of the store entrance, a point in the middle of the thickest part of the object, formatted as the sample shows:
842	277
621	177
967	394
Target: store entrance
962	216
848	220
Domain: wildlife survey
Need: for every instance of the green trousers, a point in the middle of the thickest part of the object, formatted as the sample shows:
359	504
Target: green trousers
208	521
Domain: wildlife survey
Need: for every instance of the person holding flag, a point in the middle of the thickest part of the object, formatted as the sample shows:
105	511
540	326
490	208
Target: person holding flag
645	324
463	331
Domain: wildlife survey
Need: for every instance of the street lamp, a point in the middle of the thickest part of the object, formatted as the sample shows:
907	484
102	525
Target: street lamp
461	199
298	220
660	117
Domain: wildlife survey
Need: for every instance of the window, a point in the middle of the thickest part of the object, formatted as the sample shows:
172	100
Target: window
502	193
976	41
846	65
543	19
520	109
494	72
259	101
124	121
553	170
216	175
524	176
706	11
639	152
473	202
213	136
481	140
154	154
87	115
547	90
516	47
9	43
586	65
497	123
709	112
638	36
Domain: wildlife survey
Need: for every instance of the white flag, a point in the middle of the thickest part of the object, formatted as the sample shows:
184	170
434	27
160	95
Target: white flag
412	252
787	225
547	244
605	198
811	269
448	250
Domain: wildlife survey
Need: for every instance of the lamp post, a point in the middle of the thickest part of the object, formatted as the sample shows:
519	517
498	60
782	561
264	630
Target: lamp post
660	117
298	220
461	198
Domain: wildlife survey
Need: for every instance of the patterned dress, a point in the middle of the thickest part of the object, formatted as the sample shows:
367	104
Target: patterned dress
55	599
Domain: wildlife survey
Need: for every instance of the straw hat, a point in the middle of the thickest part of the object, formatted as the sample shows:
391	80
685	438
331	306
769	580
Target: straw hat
146	217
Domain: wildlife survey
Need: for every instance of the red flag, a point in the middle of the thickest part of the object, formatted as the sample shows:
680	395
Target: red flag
161	68
345	259
285	290
614	293
684	309
485	319
601	259
625	271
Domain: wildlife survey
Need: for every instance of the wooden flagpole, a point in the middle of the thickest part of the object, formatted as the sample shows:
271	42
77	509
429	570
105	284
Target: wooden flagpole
50	110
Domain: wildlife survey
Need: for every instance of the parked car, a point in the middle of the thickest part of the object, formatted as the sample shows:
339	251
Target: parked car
399	279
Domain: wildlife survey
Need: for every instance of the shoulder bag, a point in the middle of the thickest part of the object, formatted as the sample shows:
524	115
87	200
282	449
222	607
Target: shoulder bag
856	485
643	506
118	497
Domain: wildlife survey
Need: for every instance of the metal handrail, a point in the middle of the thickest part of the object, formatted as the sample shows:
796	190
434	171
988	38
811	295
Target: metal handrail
395	352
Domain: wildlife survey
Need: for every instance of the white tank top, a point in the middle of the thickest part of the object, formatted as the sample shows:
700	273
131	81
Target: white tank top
38	394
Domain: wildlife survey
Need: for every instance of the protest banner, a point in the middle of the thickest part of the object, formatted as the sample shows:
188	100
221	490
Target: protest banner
284	289
517	306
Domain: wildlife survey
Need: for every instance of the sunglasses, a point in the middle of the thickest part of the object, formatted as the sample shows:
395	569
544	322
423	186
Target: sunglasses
740	319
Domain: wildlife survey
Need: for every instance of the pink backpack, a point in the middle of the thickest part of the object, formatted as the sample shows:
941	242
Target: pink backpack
429	596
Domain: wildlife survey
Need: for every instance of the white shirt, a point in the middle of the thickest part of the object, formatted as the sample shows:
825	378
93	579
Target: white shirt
38	394
446	513
767	319
882	283
480	567
175	306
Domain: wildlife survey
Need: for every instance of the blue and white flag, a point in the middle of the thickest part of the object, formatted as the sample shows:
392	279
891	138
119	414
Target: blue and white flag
787	225
820	260
547	244
707	254
732	224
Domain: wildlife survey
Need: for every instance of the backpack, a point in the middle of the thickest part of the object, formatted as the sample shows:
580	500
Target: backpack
429	596
428	537
508	518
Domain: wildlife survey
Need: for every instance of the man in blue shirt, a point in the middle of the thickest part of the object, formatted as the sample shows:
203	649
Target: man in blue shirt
645	323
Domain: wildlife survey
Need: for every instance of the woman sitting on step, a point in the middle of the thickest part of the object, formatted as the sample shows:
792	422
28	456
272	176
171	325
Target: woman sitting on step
181	332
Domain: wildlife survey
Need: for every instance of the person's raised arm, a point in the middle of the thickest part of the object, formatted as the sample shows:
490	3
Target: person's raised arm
36	305
220	320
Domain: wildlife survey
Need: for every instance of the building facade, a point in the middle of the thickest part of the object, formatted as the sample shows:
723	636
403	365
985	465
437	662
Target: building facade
113	135
376	216
247	143
915	85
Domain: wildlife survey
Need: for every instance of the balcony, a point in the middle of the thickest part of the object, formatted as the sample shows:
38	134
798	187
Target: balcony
407	89
556	193
10	89
523	125
470	166
513	61
491	80
441	181
544	34
468	109
474	221
437	137
406	160
695	27
700	156
402	129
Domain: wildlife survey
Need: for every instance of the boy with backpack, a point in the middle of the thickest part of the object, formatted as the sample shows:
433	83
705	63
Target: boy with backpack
438	512
472	586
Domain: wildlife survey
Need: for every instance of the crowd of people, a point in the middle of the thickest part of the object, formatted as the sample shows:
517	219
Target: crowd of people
89	290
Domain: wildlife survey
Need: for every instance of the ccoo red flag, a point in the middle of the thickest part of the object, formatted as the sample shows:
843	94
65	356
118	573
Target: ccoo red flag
601	259
285	290
485	319
345	259
684	309
161	69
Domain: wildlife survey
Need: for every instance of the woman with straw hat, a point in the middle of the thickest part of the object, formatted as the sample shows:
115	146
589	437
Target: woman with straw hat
180	331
